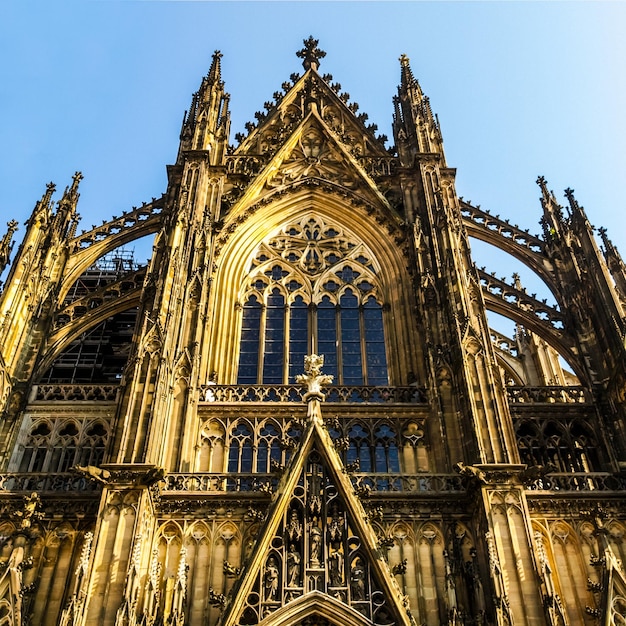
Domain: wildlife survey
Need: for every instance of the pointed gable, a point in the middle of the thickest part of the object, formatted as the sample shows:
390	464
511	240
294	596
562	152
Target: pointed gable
309	131
317	547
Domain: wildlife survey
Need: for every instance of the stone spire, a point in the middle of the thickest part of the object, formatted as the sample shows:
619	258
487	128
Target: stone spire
207	123
553	221
416	129
614	262
215	71
66	217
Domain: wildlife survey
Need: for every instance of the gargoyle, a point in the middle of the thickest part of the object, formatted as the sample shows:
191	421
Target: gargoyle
93	473
536	472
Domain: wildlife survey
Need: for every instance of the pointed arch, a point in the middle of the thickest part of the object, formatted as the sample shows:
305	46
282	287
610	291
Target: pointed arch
353	221
90	246
318	605
62	339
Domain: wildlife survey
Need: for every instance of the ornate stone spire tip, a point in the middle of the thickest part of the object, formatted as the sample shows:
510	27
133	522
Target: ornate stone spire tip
215	71
310	54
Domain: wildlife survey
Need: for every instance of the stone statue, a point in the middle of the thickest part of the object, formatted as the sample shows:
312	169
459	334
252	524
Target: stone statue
315	546
270	580
357	580
293	567
335	566
294	528
313	377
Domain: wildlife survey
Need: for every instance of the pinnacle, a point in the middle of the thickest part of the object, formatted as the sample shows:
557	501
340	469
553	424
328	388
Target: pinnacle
215	72
407	77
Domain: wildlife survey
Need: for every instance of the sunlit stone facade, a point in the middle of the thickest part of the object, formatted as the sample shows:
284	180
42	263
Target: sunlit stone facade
297	413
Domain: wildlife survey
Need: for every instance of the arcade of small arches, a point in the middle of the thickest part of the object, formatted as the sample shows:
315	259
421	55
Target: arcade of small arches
383	445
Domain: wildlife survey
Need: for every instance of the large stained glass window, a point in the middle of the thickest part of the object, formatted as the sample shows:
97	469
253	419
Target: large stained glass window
312	288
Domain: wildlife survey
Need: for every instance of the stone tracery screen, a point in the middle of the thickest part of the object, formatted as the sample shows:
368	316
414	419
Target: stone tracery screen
313	287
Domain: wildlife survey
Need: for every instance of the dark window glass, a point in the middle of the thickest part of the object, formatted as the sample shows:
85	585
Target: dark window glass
249	347
376	358
298	337
274	339
327	336
352	366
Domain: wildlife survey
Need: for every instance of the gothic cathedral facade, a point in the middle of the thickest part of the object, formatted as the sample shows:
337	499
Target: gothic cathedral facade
296	413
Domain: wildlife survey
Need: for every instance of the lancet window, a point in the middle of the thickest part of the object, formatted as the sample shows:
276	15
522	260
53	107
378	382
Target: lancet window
58	445
252	445
313	288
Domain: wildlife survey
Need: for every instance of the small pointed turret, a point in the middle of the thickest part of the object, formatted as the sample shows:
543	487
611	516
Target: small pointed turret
43	208
553	221
6	245
207	124
215	71
66	217
416	129
578	216
614	261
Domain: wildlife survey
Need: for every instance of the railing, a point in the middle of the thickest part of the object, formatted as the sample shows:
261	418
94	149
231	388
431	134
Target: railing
552	394
379	166
579	481
493	223
249	482
411	483
85	393
42	482
293	393
247	165
220	482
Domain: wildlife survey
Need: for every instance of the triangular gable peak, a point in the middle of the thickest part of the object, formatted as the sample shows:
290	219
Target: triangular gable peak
313	151
310	92
317	545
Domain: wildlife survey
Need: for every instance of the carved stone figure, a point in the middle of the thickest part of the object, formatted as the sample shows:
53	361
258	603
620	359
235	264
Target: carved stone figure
315	546
357	580
313	377
270	580
293	567
335	566
294	528
93	473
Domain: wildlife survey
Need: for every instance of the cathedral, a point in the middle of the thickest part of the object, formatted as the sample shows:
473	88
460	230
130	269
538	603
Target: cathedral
296	413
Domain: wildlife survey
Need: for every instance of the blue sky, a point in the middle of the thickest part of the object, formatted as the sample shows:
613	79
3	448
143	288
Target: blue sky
521	89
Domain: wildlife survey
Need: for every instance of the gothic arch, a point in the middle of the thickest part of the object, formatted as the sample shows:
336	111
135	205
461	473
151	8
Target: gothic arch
236	257
92	245
63	337
534	261
326	609
558	339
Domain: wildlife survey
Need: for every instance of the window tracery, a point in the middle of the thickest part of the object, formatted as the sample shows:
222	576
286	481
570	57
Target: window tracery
253	445
312	287
56	445
569	446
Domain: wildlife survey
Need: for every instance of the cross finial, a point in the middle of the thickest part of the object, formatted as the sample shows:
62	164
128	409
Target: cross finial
310	54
